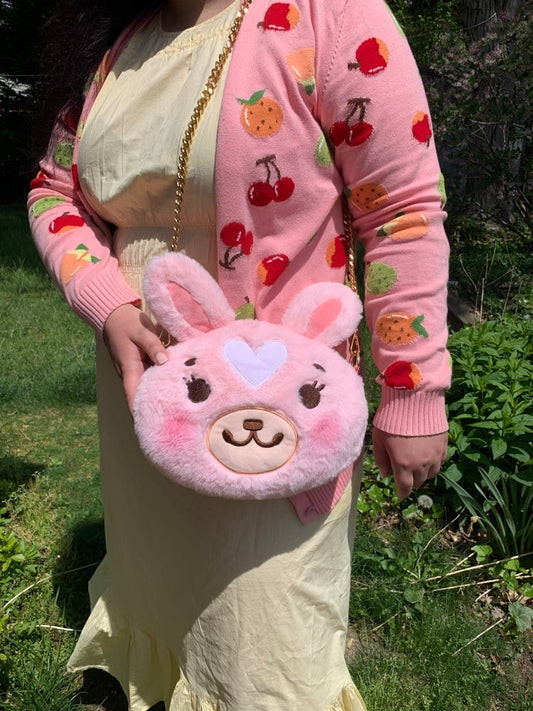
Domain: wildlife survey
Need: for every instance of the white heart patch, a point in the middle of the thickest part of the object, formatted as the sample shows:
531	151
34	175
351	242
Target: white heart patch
256	367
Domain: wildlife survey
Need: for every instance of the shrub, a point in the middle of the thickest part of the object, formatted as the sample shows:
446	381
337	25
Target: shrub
490	469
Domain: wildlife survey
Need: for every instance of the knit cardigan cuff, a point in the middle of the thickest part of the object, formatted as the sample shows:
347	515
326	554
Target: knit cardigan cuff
411	414
100	296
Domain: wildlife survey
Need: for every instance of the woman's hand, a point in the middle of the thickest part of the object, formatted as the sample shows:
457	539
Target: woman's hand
412	460
133	344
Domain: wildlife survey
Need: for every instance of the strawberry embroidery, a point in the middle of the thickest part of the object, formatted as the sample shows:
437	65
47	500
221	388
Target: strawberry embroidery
400	328
367	197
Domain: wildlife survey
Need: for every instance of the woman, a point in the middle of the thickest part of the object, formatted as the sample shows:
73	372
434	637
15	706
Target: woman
204	602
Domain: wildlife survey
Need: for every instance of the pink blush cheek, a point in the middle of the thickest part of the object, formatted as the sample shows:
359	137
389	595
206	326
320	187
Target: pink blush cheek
176	433
326	433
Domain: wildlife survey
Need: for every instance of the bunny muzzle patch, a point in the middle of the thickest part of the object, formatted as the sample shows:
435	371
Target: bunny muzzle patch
249	409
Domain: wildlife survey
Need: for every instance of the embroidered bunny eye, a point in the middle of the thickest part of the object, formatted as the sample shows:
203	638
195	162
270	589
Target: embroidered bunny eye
310	394
198	389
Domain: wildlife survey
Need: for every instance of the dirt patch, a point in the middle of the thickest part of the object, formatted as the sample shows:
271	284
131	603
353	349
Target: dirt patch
359	643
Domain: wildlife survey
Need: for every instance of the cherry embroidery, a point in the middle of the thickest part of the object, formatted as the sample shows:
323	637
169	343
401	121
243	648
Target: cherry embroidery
263	192
238	240
352	134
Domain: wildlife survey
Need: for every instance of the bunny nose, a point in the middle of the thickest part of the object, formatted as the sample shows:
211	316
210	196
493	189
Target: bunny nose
252	425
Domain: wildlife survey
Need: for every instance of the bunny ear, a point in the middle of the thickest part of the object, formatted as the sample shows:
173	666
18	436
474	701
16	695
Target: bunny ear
184	298
326	311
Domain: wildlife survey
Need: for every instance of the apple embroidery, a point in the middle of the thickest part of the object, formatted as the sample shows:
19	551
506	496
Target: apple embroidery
371	57
280	16
336	252
402	375
271	268
356	133
421	129
263	192
65	223
238	240
40	181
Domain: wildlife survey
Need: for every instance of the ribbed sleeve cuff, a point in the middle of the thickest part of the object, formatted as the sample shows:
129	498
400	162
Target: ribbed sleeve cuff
310	504
100	296
411	414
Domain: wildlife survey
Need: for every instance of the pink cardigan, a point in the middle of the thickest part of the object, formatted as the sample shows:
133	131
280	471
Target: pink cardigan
320	99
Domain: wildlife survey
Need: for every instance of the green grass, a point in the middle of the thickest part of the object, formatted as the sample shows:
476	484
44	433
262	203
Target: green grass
406	652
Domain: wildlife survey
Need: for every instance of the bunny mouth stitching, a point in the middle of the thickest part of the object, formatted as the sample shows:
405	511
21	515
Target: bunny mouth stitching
276	439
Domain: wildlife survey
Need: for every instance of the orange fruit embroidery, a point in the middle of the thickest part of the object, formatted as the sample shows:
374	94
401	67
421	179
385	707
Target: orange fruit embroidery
405	226
367	196
400	328
261	116
302	68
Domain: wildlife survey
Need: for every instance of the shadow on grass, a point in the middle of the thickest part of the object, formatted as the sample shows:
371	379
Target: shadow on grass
82	549
14	473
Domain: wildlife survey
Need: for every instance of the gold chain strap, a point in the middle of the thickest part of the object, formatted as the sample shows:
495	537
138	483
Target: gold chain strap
201	105
354	344
185	152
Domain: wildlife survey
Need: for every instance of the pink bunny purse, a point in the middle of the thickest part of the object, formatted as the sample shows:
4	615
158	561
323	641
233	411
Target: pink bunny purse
246	408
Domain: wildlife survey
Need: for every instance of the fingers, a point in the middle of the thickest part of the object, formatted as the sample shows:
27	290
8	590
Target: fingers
413	460
381	457
130	381
133	344
148	341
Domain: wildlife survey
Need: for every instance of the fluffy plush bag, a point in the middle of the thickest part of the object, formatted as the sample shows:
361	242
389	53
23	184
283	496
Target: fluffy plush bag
246	408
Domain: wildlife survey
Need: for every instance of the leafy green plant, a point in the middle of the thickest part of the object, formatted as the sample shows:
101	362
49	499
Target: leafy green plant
15	554
490	467
41	682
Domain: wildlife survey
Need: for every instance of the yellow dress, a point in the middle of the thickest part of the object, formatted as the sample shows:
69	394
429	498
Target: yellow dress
205	603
